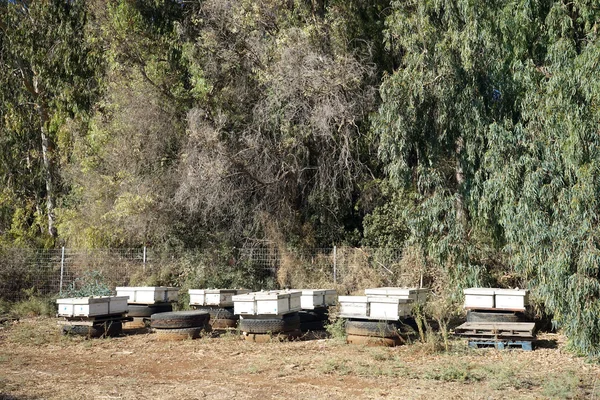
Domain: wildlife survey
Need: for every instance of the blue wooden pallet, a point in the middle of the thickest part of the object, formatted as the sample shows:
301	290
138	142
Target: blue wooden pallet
502	344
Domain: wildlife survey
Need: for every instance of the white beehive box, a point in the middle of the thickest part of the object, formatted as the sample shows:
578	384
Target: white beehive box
214	297
273	302
295	300
479	298
148	294
511	299
92	306
353	306
244	304
389	308
312	298
277	302
412	294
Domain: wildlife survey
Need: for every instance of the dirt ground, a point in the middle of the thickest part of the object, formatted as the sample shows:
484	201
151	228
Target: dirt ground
36	362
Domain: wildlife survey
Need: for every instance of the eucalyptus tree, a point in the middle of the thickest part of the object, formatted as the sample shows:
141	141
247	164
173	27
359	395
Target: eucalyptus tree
490	132
48	71
543	169
432	126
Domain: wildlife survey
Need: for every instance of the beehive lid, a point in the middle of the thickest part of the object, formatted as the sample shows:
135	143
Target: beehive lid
387	291
480	291
512	292
312	292
273	295
390	300
87	300
243	297
352	299
145	288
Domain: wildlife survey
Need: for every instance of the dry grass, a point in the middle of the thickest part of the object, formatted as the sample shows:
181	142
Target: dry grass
36	362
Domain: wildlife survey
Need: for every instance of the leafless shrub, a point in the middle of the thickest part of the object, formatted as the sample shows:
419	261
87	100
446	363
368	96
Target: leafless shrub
287	131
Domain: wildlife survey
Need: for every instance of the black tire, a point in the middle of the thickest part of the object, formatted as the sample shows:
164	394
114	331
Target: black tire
308	316
272	337
270	325
223	323
495	316
138	310
322	312
312	326
179	319
106	329
381	329
179	334
218	312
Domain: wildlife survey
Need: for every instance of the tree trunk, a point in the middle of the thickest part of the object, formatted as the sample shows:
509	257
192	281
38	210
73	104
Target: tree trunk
47	157
461	211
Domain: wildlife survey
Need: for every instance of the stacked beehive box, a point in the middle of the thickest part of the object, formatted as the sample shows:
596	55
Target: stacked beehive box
92	316
495	317
144	301
382	317
268	315
315	304
219	304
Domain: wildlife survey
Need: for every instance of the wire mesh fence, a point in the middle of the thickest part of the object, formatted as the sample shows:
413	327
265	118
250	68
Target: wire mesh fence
27	272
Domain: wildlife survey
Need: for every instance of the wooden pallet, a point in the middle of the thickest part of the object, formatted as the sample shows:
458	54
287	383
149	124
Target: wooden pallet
496	330
526	345
99	319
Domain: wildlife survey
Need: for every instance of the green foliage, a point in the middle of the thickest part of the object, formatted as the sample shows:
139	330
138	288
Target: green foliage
48	78
91	283
490	124
34	306
337	329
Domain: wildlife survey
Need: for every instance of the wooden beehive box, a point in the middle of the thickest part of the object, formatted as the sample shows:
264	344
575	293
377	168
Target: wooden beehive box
313	298
148	294
273	302
511	299
214	297
244	304
353	306
277	302
479	298
389	308
412	294
92	306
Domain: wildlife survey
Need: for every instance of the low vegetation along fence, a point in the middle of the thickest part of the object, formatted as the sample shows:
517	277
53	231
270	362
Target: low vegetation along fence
30	272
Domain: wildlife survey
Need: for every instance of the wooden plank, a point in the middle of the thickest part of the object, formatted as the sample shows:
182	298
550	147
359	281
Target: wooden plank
502	344
90	321
500	335
494	309
517	326
496	330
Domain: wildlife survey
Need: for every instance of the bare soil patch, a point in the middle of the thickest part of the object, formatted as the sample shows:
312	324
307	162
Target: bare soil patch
36	362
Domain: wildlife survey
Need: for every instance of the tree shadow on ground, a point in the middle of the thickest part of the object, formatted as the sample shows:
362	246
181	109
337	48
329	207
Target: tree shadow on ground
546	344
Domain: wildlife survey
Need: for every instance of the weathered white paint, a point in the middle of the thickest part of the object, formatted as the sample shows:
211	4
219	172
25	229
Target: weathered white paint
389	308
149	294
92	306
479	298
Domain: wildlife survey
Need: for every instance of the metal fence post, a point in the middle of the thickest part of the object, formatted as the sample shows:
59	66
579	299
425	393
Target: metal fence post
62	268
334	265
144	260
